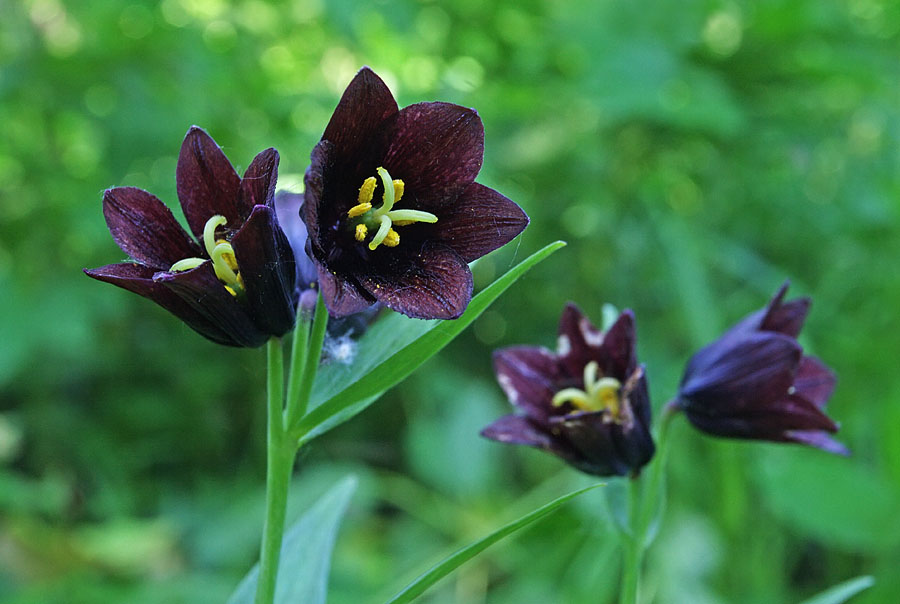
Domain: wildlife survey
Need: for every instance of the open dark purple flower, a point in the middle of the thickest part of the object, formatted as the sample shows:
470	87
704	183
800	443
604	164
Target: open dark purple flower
586	403
754	382
410	249
237	287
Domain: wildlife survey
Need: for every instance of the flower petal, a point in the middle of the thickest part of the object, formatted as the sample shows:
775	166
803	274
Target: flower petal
365	104
733	376
258	184
287	210
138	278
433	284
604	447
518	430
145	229
341	297
579	342
267	267
819	440
814	381
207	183
528	376
618	355
480	221
203	292
436	149
786	318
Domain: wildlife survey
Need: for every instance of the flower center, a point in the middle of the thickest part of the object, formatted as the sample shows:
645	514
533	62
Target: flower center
364	218
222	255
599	394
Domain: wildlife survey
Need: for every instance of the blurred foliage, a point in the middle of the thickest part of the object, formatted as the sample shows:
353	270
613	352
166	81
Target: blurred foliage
694	154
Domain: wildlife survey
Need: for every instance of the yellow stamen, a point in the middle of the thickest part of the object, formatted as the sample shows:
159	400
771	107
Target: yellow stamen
359	210
361	232
367	191
221	253
392	239
398	189
598	395
209	232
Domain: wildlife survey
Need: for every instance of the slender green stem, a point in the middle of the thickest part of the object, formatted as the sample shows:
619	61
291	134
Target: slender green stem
296	368
279	463
311	366
645	503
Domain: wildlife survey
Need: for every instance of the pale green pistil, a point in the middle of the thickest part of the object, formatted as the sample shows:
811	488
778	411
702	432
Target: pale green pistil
382	219
599	394
222	255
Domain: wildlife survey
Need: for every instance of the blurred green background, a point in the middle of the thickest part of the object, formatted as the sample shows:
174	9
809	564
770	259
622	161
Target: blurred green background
694	154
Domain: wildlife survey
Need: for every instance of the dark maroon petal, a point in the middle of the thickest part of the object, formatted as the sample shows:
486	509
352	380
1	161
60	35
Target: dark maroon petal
341	297
786	318
203	292
314	179
636	394
207	183
433	284
579	341
529	376
145	228
604	447
617	357
138	278
518	430
266	265
814	381
365	104
479	222
819	440
436	149
733	376
287	210
258	184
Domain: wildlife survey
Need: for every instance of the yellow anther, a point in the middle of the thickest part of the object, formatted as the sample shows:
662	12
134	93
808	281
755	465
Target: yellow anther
398	189
231	291
361	232
598	395
392	239
360	209
367	191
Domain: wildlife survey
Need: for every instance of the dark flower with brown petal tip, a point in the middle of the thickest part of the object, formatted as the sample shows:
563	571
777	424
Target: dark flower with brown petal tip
586	403
754	382
392	207
237	286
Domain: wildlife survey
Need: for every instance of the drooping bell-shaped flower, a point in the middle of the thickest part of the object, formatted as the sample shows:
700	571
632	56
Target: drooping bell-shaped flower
754	382
586	403
392	207
234	283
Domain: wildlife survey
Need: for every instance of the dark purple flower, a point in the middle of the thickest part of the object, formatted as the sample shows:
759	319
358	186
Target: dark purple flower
237	286
587	402
754	382
392	207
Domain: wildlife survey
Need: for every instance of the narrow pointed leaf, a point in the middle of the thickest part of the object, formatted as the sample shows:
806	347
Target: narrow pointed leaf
392	349
455	560
842	592
305	553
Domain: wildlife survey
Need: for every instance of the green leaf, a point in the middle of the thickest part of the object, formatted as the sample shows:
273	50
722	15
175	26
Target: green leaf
392	349
843	591
455	560
305	553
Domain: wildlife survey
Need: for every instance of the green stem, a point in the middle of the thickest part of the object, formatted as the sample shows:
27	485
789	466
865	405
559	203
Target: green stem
311	365
279	463
296	368
644	505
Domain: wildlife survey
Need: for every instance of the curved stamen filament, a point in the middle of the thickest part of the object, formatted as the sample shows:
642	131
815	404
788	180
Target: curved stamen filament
598	394
382	232
222	255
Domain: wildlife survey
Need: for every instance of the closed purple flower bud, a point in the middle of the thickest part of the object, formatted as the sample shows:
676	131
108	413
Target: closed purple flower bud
234	281
754	382
586	403
392	207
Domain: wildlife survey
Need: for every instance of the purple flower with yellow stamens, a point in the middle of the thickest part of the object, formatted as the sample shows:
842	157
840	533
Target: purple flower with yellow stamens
392	207
238	287
587	402
754	382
